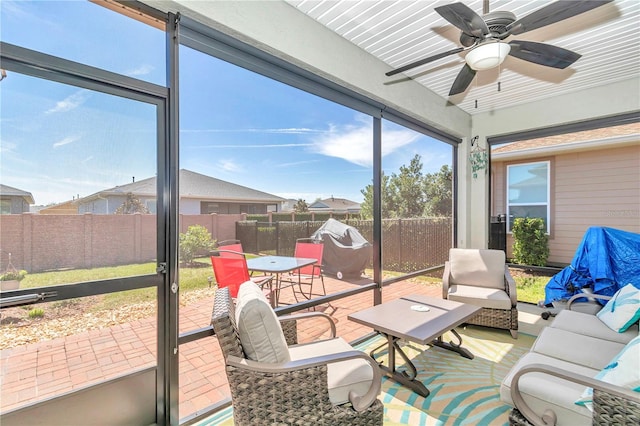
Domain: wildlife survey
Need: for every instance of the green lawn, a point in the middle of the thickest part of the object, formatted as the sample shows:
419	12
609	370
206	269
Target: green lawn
530	288
191	278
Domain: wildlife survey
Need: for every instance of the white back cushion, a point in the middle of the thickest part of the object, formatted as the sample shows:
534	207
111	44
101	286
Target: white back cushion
623	310
477	267
258	326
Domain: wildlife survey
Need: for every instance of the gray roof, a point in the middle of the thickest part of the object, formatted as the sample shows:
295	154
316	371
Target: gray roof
335	204
195	185
9	191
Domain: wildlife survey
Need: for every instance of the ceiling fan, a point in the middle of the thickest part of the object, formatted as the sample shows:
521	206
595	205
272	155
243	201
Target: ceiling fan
482	37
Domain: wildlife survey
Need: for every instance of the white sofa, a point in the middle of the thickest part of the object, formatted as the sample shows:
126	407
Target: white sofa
544	385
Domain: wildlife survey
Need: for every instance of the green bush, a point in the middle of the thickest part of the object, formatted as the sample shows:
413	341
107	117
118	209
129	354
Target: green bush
36	313
196	241
531	243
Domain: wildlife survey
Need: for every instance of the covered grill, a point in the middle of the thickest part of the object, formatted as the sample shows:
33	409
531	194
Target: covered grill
346	252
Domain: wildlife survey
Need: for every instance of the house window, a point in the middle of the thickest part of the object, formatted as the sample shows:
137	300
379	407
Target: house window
5	206
528	191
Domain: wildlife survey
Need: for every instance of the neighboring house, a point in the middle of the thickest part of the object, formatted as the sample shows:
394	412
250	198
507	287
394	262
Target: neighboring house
335	205
199	194
66	207
14	201
572	181
288	205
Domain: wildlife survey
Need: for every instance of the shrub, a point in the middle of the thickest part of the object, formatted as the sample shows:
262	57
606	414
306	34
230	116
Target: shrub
36	313
531	243
13	275
196	241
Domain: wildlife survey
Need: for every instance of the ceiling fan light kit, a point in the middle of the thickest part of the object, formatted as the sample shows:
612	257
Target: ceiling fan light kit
482	38
487	55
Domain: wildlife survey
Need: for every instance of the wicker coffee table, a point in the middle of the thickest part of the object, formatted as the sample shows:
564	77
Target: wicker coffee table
418	319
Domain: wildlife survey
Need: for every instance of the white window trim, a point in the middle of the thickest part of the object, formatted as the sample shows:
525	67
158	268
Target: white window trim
548	203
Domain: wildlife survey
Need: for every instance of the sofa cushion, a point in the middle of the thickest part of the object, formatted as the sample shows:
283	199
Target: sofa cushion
542	391
575	348
480	296
260	332
623	370
590	325
343	377
622	310
476	267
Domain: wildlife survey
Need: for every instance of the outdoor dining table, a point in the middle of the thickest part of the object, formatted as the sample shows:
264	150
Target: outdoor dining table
277	265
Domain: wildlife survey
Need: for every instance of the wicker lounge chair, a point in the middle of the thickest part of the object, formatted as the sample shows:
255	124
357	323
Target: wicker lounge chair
481	278
300	390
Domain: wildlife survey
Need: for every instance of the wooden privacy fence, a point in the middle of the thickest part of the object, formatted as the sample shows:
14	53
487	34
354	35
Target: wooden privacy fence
407	244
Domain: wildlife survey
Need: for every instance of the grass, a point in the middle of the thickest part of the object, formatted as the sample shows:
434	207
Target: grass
191	278
531	289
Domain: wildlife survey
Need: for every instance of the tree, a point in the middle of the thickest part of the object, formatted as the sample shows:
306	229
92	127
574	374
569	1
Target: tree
131	205
407	192
412	194
438	192
301	206
366	208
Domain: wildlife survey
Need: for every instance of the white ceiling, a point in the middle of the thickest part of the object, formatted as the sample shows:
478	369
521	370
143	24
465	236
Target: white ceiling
399	32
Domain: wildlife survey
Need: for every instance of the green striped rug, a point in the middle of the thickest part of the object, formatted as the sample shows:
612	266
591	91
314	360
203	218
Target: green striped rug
463	391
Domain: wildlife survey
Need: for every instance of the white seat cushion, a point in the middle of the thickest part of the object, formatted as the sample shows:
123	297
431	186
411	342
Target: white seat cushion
480	296
590	325
479	268
541	391
344	376
260	331
576	348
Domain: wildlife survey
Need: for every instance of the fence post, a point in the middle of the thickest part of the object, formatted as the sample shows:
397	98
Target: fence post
137	237
27	241
88	240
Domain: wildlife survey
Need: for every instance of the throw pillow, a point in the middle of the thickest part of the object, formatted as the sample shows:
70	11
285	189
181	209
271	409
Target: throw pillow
260	332
623	370
622	310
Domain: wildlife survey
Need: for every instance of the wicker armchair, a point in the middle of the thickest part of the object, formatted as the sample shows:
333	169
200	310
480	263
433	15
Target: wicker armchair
482	278
296	391
612	405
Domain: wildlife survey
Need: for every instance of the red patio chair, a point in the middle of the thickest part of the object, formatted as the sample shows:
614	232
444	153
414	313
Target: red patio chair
230	246
230	270
309	248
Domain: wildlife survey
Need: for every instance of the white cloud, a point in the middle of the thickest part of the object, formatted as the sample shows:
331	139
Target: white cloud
70	102
65	141
275	145
229	166
286	130
141	70
353	143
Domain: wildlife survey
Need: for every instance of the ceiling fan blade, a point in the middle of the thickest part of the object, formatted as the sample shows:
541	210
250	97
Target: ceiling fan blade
463	80
424	61
552	13
543	54
464	18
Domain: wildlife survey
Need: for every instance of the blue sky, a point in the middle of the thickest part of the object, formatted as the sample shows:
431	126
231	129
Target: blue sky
61	141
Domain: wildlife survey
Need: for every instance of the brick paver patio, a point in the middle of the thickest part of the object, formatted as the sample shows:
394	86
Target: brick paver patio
37	371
